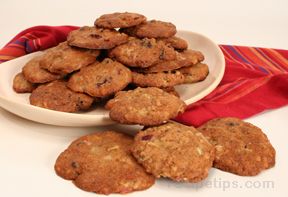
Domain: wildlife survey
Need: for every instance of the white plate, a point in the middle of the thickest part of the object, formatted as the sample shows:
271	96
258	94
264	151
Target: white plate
19	103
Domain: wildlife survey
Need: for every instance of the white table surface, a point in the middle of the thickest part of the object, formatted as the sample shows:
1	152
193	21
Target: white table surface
28	150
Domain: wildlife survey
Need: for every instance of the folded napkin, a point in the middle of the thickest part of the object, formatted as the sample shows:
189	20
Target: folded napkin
255	79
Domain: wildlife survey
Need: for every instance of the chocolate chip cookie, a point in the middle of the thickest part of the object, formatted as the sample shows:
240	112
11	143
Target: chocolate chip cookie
119	20
101	79
142	53
241	148
102	163
21	85
152	29
64	59
174	151
144	106
56	96
96	38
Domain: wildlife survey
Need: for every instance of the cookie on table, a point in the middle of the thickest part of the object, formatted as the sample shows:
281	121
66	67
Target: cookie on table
183	59
35	74
175	151
241	148
142	53
119	20
195	73
102	163
64	59
176	42
57	96
144	106
21	85
96	38
152	29
160	80
101	79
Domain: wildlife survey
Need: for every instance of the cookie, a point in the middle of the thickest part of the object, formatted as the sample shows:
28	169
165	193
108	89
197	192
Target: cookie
119	20
183	59
64	59
144	106
56	96
96	38
102	163
160	80
171	90
21	85
175	151
35	74
142	53
101	79
152	29
195	73
176	42
241	148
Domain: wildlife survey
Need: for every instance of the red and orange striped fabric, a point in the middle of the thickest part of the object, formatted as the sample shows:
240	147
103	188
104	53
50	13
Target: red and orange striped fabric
255	79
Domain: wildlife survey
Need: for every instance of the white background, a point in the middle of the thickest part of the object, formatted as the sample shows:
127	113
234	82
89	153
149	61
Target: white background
28	150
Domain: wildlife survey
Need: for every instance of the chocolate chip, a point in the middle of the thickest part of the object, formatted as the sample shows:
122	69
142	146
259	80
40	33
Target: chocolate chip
146	137
75	164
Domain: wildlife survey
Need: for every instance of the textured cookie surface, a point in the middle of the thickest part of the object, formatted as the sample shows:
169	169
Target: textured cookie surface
142	53
152	29
176	42
35	74
161	79
102	163
119	20
183	59
56	96
96	38
174	151
64	59
101	79
241	147
195	73
144	106
21	85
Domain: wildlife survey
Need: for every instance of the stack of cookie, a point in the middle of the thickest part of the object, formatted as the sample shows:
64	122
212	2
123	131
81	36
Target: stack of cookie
138	62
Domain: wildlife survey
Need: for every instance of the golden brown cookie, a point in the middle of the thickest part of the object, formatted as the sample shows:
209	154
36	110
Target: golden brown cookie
195	73
174	151
241	148
119	20
176	42
56	96
21	85
96	38
142	53
102	163
160	80
152	29
35	74
144	106
101	79
183	59
64	59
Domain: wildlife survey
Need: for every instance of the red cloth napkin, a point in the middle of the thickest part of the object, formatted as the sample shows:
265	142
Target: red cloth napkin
255	79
